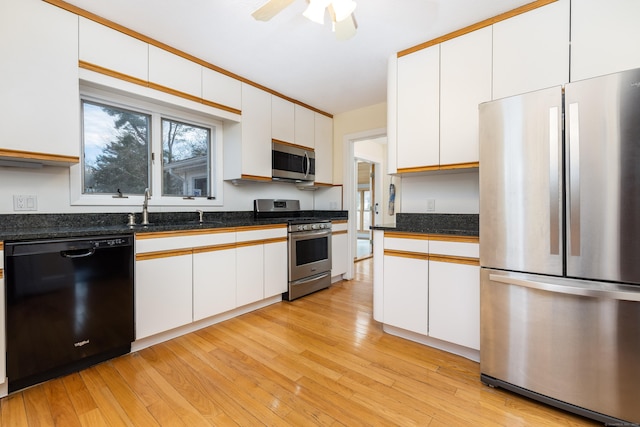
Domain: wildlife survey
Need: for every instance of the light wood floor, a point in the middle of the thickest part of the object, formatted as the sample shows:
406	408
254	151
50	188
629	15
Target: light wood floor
320	360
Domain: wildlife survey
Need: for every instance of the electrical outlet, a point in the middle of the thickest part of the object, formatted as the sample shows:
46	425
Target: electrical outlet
431	205
25	202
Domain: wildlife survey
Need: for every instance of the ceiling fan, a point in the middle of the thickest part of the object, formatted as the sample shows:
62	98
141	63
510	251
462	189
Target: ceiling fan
340	11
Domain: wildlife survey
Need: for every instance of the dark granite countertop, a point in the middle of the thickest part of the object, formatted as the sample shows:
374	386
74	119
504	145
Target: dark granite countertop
447	224
49	226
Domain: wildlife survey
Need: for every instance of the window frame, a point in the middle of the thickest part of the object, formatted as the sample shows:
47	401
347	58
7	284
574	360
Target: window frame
158	110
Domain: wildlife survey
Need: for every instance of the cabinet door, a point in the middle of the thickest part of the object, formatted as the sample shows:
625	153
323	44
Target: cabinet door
275	269
339	253
406	295
282	119
222	89
164	294
454	303
418	103
113	50
465	82
531	50
247	145
304	127
604	37
214	282
323	148
172	71
250	274
39	92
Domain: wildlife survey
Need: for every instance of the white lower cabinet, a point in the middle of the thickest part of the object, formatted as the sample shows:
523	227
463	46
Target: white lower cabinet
163	294
249	273
214	282
454	309
187	277
431	287
339	249
406	292
275	269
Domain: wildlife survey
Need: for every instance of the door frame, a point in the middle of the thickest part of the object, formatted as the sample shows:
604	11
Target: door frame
348	199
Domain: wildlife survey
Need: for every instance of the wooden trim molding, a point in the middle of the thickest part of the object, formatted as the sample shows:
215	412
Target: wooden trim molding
454	238
255	177
290	144
163	254
406	254
1	246
406	235
503	16
432	168
260	227
35	157
214	248
339	221
114	26
151	85
335	233
454	259
1	273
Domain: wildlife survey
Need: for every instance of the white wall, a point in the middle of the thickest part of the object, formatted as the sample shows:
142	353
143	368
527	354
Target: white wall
453	192
51	187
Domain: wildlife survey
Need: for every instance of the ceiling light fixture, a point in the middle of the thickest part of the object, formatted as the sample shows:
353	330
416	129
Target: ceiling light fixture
343	19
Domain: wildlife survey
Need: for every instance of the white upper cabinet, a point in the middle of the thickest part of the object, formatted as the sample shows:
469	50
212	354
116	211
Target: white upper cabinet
465	81
531	50
282	119
221	89
247	145
111	49
604	36
323	148
418	105
174	72
39	92
304	127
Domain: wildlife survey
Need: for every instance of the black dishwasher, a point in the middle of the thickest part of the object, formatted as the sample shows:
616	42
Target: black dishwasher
70	304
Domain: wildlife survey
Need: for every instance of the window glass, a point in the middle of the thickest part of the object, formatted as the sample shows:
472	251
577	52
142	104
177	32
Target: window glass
185	159
116	150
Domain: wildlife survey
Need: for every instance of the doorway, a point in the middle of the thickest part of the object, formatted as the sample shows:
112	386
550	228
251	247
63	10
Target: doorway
365	203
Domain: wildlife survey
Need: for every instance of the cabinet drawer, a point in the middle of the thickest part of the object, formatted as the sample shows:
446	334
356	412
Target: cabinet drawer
463	249
186	241
409	245
261	234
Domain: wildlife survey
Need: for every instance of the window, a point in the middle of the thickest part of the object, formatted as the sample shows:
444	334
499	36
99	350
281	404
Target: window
116	149
185	155
131	143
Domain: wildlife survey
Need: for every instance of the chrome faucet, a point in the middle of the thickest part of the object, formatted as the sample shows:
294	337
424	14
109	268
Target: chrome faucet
200	213
145	207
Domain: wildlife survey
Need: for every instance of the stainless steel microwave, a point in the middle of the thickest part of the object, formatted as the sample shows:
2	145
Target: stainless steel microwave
292	163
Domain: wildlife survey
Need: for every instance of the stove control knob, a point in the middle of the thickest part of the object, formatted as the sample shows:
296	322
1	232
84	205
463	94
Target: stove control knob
300	227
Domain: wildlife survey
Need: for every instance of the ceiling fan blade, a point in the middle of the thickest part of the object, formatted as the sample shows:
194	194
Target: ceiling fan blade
270	9
346	28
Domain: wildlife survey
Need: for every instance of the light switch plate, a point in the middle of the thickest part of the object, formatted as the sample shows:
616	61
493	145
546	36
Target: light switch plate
431	205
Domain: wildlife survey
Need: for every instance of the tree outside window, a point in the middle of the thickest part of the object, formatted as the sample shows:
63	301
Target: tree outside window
116	149
185	159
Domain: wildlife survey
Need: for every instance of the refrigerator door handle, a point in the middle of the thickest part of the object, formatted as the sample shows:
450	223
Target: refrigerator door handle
555	183
574	179
593	292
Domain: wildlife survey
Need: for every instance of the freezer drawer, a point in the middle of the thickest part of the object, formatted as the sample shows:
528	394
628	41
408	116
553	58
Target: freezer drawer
573	341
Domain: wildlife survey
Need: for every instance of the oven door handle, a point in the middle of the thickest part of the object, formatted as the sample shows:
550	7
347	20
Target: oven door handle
298	235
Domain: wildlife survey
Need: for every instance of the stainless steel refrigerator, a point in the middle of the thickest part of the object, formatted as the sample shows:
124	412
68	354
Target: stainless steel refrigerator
560	246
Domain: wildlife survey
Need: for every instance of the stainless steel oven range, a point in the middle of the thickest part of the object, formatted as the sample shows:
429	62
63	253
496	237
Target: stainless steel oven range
309	246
